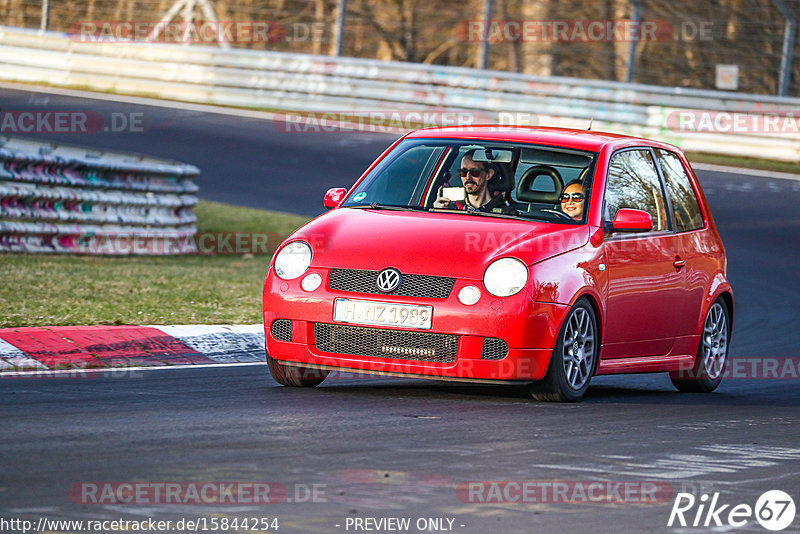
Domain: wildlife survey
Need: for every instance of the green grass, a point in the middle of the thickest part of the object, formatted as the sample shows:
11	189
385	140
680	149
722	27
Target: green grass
218	217
56	290
746	162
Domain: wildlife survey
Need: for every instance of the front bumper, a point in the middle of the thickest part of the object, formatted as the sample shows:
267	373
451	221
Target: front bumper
527	328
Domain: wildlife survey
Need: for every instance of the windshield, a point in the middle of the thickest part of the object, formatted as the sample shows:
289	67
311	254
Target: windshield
473	177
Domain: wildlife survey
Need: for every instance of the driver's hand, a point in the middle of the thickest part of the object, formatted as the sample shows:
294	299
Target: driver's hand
441	201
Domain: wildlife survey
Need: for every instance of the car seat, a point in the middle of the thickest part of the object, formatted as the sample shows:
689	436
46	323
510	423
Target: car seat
540	186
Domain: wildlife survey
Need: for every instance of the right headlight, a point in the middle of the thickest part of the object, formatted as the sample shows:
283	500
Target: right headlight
293	260
505	277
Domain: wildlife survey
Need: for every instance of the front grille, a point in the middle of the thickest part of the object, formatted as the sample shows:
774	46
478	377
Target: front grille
494	349
382	343
282	329
414	285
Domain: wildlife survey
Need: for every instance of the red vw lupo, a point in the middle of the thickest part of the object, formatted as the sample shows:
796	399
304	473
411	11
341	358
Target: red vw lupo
595	254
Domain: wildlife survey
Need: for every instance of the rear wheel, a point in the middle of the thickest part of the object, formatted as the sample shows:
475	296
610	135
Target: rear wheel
712	353
574	358
290	375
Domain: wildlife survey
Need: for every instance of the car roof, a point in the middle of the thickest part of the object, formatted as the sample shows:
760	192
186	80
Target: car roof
550	136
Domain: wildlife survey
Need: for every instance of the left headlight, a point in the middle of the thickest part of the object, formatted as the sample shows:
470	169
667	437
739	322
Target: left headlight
505	277
293	260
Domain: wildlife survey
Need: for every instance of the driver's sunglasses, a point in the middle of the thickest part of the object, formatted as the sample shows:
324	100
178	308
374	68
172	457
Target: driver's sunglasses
577	197
474	171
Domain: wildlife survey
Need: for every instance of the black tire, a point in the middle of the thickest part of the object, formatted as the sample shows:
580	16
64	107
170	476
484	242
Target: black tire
290	375
571	369
712	353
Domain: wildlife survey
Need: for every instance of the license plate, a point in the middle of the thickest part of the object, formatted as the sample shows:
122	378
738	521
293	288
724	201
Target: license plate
382	313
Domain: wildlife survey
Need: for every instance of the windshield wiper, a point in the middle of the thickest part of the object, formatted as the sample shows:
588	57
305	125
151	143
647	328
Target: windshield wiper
533	216
497	215
379	206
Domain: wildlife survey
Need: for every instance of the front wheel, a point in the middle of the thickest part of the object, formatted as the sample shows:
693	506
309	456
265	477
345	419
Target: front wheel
289	375
574	358
712	353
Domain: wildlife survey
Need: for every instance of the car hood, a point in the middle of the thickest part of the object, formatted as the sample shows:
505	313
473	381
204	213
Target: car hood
431	243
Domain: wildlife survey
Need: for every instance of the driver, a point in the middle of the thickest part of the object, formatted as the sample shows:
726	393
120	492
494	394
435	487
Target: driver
572	199
475	176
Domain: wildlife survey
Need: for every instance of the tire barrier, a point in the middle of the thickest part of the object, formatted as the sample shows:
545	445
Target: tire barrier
59	198
699	120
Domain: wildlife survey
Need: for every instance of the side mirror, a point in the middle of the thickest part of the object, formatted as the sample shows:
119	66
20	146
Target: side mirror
333	197
628	220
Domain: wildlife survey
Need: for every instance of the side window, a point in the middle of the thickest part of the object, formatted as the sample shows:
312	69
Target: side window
633	183
400	179
684	202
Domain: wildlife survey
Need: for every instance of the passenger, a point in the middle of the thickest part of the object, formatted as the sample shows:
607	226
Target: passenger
572	199
475	177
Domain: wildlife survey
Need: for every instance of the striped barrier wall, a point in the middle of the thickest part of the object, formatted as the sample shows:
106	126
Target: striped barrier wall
80	348
60	198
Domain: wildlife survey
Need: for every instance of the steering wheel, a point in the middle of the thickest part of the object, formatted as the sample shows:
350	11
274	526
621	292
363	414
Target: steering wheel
559	213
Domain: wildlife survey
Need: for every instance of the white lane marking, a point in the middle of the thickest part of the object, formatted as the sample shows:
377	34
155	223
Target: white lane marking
221	343
745	172
722	459
13	358
744	187
183	106
142	101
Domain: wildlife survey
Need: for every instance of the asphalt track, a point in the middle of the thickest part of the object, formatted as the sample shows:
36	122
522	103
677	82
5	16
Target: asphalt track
380	448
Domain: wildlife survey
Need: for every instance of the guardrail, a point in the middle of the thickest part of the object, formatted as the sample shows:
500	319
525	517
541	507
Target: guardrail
733	123
59	198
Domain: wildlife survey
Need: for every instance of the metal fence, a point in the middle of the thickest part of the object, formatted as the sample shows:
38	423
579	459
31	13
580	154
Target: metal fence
58	198
706	121
753	44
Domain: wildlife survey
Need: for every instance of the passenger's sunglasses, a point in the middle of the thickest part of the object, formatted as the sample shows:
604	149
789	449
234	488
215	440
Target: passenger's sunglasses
474	171
577	197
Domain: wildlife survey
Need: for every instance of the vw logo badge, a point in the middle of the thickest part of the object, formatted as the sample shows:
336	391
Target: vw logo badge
389	280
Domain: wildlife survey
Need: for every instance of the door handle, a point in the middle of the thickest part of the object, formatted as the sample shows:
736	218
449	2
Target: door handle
679	263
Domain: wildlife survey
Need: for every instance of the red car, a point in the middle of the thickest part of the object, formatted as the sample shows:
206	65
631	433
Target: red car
507	255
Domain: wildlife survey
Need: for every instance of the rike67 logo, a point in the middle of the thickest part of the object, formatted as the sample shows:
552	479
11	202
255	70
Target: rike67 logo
774	510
